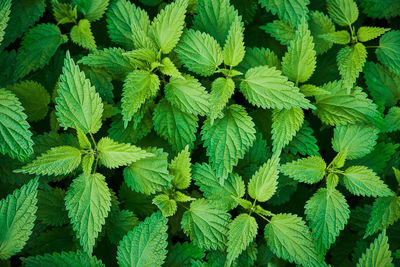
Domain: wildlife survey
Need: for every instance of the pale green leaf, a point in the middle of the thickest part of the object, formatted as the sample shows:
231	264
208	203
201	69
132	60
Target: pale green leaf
388	51
168	68
221	91
62	259
167	206
64	12
290	11
87	163
285	124
320	23
339	37
83	141
343	12
366	33
307	170
350	62
180	169
82	35
378	253
280	30
385	212
234	49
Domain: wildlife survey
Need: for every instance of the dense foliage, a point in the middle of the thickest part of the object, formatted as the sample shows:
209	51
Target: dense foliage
199	133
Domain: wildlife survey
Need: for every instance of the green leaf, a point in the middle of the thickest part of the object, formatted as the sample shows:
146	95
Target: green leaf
206	225
165	204
64	13
280	30
56	161
51	207
5	9
179	168
178	127
242	231
393	119
17	217
62	259
139	86
119	224
385	212
366	33
82	35
199	52
88	202
328	213
319	24
234	49
289	238
78	105
149	175
15	136
343	12
388	51
166	28
378	253
266	87
350	62
236	128
83	141
339	37
221	196
37	48
146	244
285	124
263	184
359	140
221	91
87	163
290	11
113	154
188	95
303	142
299	61
92	9
168	68
182	254
361	181
256	57
307	170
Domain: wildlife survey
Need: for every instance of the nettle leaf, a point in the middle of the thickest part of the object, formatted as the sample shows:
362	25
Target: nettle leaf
167	206
289	238
206	225
146	244
15	136
291	11
303	142
199	52
92	9
234	49
361	181
256	57
350	61
178	127
266	87
365	33
339	37
168	68
319	24
392	119
78	105
343	12
17	217
285	124
183	253
180	169
149	175
221	91
263	184
242	231
188	95
51	207
280	30
328	213
119	224
359	140
88	202
5	9
378	253
385	212
82	35
388	51
307	170
236	129
300	60
64	13
221	196
71	258
56	161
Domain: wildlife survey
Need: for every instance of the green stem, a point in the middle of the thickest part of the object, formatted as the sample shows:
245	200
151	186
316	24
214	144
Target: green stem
95	165
373	46
94	142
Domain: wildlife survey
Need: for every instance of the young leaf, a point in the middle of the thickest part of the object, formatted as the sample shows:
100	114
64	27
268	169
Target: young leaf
234	49
71	258
78	105
82	35
87	163
180	169
83	141
58	160
343	12
88	202
290	11
365	33
266	87
165	204
146	244
168	68
285	124
280	30
17	218
339	37
307	170
388	51
350	62
92	9
378	253
385	212
221	91
64	12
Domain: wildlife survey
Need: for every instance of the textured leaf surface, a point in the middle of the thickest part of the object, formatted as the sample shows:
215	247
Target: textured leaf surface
180	169
385	212
72	258
291	11
350	62
51	207
221	91
264	182
82	35
388	51
280	30
320	23
343	12
5	8
285	124
393	119
366	33
167	206
378	253
234	49
307	170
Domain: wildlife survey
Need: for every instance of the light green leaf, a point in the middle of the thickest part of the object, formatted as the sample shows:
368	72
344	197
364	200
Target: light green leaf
5	9
320	23
242	231
290	11
92	9
343	12
82	35
78	105
256	57
199	52
62	259
361	181
392	119
328	212
385	212
56	161
307	170
168	68
378	253
340	158
88	202
285	124
388	51
221	91
236	128
366	33
64	13
87	163
266	87
165	204
179	168
146	244
234	49
149	175
83	141
263	184
17	217
280	30
206	225
339	37
350	62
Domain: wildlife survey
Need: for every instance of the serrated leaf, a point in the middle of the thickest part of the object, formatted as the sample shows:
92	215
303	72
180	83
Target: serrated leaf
378	253
88	201
146	244
392	119
83	141
289	238
167	206
256	57
149	175
280	30
307	170
350	62
361	181
71	258
303	142
338	37
78	105
180	169
290	11
168	68
119	224
206	225
64	12
285	124
388	51
328	212
17	217
236	128
343	12
51	207
199	52
320	23
221	91
181	254
113	154
56	161
92	9
242	231
82	35
366	33
234	49
87	163
5	9
385	212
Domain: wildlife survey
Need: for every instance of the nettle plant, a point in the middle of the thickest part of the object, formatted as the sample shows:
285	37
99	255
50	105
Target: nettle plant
186	136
